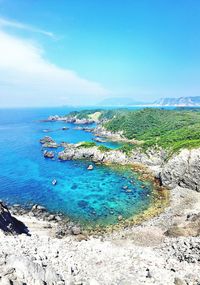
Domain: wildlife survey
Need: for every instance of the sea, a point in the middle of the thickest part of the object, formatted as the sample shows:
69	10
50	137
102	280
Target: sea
89	197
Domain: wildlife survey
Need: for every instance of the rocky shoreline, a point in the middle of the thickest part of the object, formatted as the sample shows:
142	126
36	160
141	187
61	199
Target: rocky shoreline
38	247
181	169
71	119
159	251
101	132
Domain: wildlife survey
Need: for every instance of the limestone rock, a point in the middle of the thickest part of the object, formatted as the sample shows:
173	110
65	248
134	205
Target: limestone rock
46	139
76	230
48	154
183	170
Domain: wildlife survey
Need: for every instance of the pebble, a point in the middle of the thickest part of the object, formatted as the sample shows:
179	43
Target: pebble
76	230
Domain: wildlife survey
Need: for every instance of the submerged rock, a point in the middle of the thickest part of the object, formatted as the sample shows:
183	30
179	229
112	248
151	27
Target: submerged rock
120	218
90	167
65	128
54	182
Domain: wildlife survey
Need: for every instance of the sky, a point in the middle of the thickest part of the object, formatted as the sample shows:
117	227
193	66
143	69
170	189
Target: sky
75	52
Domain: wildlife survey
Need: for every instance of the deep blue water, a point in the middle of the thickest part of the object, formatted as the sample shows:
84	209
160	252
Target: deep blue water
87	196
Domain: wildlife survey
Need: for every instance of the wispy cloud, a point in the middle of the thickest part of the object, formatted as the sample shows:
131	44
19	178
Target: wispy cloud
5	23
29	79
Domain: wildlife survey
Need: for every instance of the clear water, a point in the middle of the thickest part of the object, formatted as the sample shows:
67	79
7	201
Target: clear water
86	196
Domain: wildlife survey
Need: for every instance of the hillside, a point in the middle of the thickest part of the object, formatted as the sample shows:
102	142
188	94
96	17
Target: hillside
173	129
167	128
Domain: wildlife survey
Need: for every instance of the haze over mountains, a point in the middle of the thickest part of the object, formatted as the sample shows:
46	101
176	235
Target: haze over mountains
181	101
120	101
190	101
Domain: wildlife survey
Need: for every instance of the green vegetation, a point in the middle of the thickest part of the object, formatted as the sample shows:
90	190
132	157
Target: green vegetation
87	144
169	129
104	114
103	148
127	148
166	128
85	114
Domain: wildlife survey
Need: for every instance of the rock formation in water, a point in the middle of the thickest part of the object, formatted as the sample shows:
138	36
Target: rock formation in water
48	154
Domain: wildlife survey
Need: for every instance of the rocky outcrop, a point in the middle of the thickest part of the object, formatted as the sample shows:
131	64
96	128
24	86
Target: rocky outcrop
183	170
10	224
22	269
48	154
51	145
153	158
48	142
71	119
77	152
84	121
180	170
46	139
86	129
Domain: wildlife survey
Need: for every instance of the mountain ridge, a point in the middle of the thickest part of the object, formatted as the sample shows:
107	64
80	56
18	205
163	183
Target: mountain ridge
179	102
189	101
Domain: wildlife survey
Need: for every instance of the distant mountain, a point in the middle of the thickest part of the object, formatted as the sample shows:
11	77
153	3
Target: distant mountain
178	102
119	101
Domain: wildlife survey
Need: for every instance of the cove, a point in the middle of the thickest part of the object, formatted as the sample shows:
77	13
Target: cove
96	197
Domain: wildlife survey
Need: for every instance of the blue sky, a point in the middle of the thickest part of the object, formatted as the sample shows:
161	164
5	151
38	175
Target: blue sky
79	52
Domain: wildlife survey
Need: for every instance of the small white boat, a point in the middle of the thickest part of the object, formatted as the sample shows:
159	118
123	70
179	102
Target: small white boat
54	182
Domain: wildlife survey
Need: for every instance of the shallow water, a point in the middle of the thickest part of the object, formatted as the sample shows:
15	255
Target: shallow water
95	197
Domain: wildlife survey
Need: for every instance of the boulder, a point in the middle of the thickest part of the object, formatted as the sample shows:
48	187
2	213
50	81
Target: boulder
48	154
90	167
25	269
76	230
182	170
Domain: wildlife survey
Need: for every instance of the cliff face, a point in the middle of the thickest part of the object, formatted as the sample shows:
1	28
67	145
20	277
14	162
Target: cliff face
183	170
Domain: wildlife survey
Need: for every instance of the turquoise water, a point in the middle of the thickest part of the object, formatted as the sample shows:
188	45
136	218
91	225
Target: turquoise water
86	196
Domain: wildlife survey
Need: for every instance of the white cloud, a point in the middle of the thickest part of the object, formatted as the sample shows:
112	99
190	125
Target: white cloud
26	78
5	23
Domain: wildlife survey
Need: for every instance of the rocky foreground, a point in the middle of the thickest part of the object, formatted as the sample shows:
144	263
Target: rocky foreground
164	250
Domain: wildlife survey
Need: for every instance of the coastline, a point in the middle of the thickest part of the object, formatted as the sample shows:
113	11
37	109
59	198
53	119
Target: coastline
160	246
140	248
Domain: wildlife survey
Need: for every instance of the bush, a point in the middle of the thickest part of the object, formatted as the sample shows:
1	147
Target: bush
103	148
87	144
127	148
